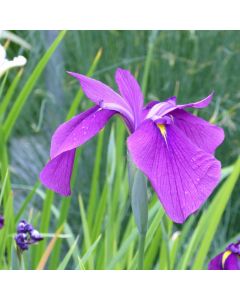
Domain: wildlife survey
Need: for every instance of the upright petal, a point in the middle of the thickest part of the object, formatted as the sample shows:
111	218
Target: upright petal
56	175
182	174
103	95
157	109
131	91
205	135
79	130
199	104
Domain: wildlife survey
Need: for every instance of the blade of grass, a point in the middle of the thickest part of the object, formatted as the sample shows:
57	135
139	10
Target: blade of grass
3	187
5	34
110	238
47	252
28	87
7	98
26	202
68	256
7	195
75	104
129	238
95	179
87	237
86	257
174	246
70	240
215	213
45	221
3	84
151	44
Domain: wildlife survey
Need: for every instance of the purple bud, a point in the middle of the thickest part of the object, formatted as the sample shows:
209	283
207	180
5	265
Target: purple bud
22	241
35	236
29	228
1	222
22	226
26	235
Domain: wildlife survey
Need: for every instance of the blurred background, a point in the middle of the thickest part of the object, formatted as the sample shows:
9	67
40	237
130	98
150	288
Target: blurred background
188	64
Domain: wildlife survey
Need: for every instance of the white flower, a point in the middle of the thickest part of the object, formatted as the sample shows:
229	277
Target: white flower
6	64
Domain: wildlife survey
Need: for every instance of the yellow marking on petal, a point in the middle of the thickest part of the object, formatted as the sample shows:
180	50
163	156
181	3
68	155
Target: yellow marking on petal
163	131
225	256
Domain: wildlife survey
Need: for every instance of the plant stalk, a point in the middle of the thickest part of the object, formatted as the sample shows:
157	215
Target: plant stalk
141	247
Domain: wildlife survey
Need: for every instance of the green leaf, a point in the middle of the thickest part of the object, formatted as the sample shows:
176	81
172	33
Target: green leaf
75	104
68	256
28	87
26	202
7	98
86	232
86	257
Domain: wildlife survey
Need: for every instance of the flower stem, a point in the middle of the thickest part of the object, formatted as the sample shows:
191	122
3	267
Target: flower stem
20	259
141	246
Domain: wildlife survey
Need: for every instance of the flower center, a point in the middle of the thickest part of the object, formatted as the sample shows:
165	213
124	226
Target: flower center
163	131
160	110
225	256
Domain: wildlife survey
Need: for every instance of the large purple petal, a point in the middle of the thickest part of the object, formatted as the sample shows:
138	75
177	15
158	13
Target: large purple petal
79	130
232	262
131	91
182	174
56	175
216	263
103	95
205	135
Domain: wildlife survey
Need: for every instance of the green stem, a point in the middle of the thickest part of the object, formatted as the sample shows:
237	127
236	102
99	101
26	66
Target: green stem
151	44
141	246
20	259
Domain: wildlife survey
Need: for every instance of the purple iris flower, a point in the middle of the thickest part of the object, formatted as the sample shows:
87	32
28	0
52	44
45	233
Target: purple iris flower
1	222
172	147
227	260
26	235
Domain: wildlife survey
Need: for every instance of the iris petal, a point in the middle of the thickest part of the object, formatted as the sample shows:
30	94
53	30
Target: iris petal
79	130
232	262
103	95
182	174
205	135
56	175
216	263
131	91
199	104
156	109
